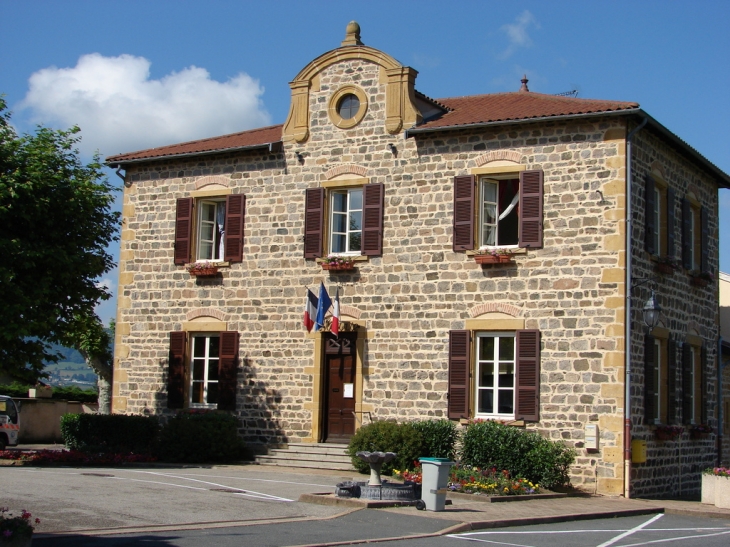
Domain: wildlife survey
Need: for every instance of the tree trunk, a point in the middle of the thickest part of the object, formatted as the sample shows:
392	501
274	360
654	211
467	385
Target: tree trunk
104	382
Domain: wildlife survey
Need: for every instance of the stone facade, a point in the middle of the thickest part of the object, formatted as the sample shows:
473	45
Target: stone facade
404	302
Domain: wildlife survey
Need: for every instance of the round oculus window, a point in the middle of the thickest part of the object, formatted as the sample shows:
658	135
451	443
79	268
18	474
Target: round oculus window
348	107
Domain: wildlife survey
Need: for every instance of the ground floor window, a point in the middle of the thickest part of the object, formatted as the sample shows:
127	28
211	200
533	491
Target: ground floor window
204	370
495	374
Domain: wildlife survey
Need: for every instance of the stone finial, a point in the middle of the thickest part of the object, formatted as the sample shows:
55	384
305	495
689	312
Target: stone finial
524	83
352	35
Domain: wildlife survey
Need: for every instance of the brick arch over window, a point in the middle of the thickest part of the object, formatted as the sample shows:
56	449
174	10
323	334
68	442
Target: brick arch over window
490	307
205	312
345	169
496	155
657	167
219	180
350	311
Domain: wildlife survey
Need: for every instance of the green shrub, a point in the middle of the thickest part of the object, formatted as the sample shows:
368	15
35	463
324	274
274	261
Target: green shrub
15	390
205	436
66	393
438	438
109	433
524	454
403	439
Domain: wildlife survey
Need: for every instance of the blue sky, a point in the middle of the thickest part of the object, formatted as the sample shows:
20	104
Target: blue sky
135	74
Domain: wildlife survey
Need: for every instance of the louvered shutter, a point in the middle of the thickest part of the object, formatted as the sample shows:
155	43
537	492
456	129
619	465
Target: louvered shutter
183	230
459	366
686	383
650	220
671	381
234	227
176	370
531	200
650	410
687	235
670	222
527	378
227	371
705	386
705	241
463	221
373	196
313	222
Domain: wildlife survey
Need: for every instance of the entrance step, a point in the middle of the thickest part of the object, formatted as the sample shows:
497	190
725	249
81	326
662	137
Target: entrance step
310	455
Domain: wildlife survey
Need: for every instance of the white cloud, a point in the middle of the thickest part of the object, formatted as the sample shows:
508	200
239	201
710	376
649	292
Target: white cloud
517	33
120	109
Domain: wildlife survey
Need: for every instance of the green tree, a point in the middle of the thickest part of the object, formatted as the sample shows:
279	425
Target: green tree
56	222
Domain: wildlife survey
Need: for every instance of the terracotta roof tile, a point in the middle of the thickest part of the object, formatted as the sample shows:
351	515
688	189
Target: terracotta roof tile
499	107
244	139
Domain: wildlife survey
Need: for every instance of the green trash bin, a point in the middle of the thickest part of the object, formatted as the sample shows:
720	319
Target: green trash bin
435	481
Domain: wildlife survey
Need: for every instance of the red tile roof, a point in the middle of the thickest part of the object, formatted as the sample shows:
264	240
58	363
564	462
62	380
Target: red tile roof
246	139
501	107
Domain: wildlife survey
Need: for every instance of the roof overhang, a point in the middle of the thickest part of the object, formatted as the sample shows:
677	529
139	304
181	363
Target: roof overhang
272	147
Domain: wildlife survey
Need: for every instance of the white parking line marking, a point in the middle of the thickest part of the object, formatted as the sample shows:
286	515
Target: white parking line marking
157	482
627	533
489	541
259	480
677	539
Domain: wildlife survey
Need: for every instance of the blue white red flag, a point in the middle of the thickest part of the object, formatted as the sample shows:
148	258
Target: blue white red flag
336	314
323	307
310	310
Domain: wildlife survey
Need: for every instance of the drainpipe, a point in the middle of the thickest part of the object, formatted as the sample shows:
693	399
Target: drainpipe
627	318
720	413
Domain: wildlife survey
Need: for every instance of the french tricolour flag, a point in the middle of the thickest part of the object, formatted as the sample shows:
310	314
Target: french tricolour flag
336	314
310	310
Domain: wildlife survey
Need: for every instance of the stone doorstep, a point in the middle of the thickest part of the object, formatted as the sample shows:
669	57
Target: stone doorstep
280	462
325	458
331	499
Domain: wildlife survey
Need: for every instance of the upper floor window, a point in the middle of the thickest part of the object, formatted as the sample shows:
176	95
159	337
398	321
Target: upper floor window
345	220
659	216
695	235
501	211
348	106
209	229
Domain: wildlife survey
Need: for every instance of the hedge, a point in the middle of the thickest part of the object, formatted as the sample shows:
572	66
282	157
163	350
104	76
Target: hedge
110	433
194	437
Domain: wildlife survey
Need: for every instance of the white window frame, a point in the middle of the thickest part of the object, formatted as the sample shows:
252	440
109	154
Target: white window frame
658	360
218	250
348	212
480	361
495	179
208	361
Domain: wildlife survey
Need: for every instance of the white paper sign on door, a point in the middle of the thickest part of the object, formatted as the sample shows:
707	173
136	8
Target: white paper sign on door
349	391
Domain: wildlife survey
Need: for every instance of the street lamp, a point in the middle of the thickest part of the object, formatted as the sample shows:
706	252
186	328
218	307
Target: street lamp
652	311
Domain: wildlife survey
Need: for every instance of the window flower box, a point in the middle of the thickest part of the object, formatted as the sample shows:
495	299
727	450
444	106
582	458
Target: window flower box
338	263
668	432
202	269
700	431
700	279
499	256
666	265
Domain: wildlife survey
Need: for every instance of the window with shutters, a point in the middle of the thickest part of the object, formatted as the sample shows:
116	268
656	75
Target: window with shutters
659	216
494	375
210	228
659	388
695	234
202	370
344	220
498	211
694	388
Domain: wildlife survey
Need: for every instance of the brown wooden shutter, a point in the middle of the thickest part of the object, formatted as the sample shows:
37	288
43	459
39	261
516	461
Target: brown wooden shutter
373	196
671	381
176	370
650	410
227	371
649	220
531	200
459	366
705	386
686	383
687	234
234	228
527	381
464	212
705	241
183	230
670	222
313	222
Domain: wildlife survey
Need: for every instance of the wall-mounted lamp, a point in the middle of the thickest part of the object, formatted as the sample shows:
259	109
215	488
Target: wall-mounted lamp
300	156
392	148
652	311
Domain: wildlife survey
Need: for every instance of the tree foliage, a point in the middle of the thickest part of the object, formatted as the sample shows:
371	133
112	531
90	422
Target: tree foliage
56	222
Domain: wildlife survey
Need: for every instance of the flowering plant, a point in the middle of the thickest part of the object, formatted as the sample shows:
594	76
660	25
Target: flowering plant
497	251
704	276
338	260
472	480
73	456
717	471
201	267
13	526
410	476
700	428
669	431
668	260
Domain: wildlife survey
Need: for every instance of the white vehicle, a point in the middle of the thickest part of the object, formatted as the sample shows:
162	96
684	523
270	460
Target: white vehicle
9	422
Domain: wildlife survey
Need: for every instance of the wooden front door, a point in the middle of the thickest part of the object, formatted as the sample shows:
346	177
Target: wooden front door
340	388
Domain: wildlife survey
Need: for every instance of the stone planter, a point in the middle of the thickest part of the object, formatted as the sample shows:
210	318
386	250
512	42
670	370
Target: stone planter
493	259
708	489
722	492
204	272
344	267
18	541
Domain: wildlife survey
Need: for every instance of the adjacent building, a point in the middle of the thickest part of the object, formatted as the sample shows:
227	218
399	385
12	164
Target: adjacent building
498	251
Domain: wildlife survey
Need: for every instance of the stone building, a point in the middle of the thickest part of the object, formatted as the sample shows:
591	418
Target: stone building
495	244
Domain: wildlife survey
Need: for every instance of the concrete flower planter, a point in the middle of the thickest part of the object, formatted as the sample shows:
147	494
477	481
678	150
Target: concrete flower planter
722	492
708	488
